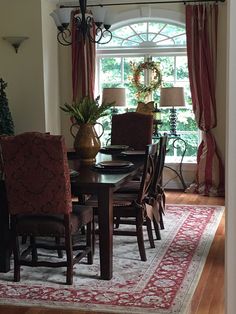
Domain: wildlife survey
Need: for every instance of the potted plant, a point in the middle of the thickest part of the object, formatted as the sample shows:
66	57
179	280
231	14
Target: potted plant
84	114
87	111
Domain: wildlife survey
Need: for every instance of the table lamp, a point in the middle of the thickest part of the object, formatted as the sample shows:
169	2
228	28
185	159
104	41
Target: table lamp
114	94
172	97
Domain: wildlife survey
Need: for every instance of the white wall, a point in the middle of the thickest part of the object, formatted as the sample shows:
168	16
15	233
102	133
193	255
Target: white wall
50	70
230	163
23	71
32	73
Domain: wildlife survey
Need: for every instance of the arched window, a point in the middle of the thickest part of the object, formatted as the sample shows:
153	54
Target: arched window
151	40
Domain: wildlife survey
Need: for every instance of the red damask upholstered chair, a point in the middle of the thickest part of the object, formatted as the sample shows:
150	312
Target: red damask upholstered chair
37	182
133	129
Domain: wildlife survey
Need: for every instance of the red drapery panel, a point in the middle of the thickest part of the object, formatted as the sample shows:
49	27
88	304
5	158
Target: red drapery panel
201	31
83	63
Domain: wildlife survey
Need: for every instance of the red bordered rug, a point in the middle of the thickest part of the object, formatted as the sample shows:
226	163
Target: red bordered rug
163	284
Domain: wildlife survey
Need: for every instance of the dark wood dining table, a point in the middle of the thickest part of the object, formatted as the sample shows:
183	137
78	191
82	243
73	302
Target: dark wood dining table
102	184
88	181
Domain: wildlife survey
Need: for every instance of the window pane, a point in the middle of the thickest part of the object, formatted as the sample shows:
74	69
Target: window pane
180	40
182	68
123	32
155	27
114	42
144	37
130	43
110	72
139	27
167	67
136	38
171	30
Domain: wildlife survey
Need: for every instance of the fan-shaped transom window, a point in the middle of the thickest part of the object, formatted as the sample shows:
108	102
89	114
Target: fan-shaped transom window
148	34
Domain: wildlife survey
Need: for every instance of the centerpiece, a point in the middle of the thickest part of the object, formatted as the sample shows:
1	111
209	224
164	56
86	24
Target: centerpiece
84	115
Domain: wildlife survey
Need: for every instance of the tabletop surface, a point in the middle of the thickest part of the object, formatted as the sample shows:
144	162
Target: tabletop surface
90	177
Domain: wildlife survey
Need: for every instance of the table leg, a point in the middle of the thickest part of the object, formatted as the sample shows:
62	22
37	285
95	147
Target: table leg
105	220
4	232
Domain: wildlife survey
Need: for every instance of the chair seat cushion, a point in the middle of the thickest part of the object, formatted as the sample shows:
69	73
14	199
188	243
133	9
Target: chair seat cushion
47	225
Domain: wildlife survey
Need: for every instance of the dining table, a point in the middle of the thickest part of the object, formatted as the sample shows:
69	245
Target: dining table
103	183
86	180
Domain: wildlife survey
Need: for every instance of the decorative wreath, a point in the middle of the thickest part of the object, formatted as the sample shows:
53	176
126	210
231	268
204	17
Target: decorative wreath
142	90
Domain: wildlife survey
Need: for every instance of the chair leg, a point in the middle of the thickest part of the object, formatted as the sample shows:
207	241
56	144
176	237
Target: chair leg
33	250
69	257
16	253
117	222
139	230
161	221
149	231
59	252
24	239
89	242
157	229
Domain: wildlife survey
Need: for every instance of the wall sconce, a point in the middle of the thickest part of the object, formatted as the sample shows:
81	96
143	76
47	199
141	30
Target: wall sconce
15	41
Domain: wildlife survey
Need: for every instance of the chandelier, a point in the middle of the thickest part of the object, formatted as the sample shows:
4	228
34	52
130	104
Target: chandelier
85	21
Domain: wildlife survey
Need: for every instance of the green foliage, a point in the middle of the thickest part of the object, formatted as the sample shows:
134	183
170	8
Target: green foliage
6	122
87	110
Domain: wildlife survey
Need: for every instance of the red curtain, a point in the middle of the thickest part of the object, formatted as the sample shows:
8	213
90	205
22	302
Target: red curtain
201	31
83	63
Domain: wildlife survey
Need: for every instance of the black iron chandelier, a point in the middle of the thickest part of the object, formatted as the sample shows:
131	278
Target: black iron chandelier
86	22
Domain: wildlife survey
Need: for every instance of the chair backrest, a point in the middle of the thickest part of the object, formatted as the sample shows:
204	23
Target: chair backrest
36	173
159	164
148	171
133	129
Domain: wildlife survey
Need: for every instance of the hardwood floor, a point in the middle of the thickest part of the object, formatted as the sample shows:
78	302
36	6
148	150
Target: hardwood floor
209	295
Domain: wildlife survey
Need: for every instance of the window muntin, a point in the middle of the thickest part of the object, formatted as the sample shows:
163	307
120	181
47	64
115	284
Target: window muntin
115	71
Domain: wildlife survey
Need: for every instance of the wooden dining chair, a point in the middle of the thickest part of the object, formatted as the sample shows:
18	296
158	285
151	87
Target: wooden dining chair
37	181
156	193
132	129
134	207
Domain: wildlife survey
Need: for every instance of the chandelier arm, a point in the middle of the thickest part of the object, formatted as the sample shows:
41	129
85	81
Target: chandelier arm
61	38
98	34
105	34
93	39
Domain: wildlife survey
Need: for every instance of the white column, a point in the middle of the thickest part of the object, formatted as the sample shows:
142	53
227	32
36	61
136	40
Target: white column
231	164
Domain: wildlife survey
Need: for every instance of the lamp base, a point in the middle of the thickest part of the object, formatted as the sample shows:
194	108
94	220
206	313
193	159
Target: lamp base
172	121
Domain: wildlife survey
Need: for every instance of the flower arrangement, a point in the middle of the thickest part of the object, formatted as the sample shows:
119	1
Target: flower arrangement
144	90
87	110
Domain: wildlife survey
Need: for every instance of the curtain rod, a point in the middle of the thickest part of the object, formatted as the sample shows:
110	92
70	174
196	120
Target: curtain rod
150	2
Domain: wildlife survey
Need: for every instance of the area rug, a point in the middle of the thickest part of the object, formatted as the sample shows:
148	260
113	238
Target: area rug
163	284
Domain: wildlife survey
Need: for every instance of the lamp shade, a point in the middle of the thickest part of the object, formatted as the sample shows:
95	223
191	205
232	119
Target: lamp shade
116	95
172	97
